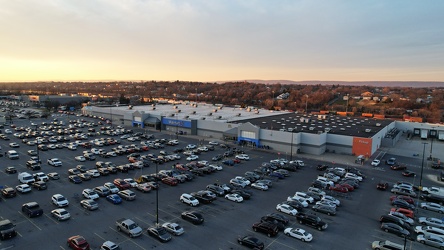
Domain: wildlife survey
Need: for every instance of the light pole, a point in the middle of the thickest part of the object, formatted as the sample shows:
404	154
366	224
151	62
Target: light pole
291	145
157	197
177	127
346	107
431	144
422	166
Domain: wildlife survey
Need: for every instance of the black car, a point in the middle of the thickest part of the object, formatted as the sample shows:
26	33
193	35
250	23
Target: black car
11	170
393	220
75	179
280	225
215	189
193	217
245	194
295	204
279	217
159	233
250	242
267	228
202	197
402	204
319	184
322	167
433	198
395	229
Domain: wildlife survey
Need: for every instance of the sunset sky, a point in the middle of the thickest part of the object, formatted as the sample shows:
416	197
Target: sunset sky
221	40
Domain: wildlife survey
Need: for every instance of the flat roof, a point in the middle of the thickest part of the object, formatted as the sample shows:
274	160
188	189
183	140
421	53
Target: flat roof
265	119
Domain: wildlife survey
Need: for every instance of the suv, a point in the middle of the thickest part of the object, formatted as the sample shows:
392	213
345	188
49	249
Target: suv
265	227
189	199
7	230
394	220
33	165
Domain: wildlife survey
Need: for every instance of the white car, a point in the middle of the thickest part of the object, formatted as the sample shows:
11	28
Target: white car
353	176
242	179
284	208
131	181
80	158
432	207
204	163
327	203
90	194
112	188
203	149
234	197
192	158
304	196
299	234
173	228
260	186
127	195
189	199
244	157
60	214
295	198
109	245
217	167
23	188
215	143
190	146
59	200
72	147
94	172
375	163
55	162
429	230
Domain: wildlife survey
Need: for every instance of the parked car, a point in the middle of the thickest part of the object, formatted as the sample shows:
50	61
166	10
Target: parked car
323	208
89	204
395	229
250	242
159	233
430	221
432	207
193	217
78	243
431	240
173	228
299	234
267	228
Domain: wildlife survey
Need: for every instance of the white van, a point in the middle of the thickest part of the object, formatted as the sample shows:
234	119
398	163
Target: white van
25	178
12	154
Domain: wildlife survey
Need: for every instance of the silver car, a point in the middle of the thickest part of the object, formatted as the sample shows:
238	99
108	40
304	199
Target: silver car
403	191
431	240
432	207
430	221
324	209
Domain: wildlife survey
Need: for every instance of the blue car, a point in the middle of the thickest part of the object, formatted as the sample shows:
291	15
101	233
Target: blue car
228	162
114	198
276	174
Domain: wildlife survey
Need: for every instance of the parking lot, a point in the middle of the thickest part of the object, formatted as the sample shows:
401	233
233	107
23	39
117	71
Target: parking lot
355	226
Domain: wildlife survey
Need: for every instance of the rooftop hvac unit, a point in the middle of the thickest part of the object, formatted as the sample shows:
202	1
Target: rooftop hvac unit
154	108
175	107
238	114
248	109
256	112
202	118
194	112
220	107
219	117
368	130
153	104
172	115
214	110
178	111
186	117
378	124
210	114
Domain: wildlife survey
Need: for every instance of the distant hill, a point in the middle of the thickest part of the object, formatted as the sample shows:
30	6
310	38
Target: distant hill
365	83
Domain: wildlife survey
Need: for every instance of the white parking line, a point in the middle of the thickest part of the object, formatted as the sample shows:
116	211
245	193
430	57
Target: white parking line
30	221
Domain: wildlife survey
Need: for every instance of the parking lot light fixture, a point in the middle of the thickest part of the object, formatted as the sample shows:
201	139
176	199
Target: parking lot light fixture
422	166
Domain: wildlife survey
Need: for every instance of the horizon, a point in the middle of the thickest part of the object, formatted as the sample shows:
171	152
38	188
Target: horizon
208	41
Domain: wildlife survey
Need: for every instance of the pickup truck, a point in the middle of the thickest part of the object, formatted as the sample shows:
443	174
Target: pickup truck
311	220
7	230
129	227
40	177
32	209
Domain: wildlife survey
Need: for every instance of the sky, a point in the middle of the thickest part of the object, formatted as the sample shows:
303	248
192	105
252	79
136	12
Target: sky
221	40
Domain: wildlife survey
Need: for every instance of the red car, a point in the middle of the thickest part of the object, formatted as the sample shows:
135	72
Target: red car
406	212
145	148
121	184
398	167
403	197
236	160
78	243
170	181
339	188
382	185
347	186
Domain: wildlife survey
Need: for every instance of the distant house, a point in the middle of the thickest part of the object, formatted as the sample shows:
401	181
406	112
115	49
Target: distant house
367	95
